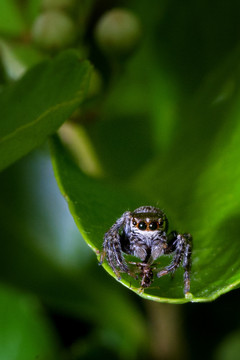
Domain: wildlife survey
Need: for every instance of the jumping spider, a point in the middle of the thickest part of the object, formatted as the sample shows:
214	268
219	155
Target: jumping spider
143	233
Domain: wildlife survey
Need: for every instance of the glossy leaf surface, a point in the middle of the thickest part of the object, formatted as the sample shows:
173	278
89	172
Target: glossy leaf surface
36	105
195	180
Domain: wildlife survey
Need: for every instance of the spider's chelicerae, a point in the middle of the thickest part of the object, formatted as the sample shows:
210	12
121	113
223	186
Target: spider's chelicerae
143	233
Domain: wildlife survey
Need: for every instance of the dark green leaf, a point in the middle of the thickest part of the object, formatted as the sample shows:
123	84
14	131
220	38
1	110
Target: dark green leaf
26	334
36	105
229	347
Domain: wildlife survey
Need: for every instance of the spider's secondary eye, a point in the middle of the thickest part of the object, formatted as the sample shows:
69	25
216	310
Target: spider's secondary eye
134	222
142	225
153	225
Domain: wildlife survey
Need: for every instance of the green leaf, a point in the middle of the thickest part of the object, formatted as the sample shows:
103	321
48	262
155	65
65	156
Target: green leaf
35	106
25	332
229	347
195	180
11	22
32	8
95	206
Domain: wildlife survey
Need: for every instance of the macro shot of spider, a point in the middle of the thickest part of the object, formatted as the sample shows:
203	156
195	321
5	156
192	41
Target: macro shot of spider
143	234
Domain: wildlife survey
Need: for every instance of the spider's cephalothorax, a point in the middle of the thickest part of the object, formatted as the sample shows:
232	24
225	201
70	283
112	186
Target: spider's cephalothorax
143	233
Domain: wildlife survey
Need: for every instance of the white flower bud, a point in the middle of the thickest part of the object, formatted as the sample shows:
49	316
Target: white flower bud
53	30
117	32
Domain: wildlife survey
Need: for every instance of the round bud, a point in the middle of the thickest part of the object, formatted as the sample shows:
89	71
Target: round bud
117	32
53	30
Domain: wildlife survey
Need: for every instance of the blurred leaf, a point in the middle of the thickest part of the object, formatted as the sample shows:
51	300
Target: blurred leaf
25	333
139	115
229	347
32	9
11	22
36	105
110	133
196	181
17	58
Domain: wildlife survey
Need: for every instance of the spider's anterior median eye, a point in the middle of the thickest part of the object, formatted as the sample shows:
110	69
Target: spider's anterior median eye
142	225
153	225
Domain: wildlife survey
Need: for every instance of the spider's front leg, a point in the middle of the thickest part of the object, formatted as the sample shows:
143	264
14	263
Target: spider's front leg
112	246
182	246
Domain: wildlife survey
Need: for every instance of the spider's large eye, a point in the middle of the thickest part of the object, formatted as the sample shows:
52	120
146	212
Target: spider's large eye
142	225
153	225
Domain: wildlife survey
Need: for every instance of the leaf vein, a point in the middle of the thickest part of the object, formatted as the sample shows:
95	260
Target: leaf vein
39	118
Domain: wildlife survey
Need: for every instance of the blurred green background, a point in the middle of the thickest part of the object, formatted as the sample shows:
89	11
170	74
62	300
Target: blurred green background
160	117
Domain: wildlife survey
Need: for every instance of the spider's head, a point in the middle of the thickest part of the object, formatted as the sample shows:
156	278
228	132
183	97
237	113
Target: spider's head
149	218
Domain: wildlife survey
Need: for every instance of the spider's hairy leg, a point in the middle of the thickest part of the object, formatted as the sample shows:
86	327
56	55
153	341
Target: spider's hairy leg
187	263
112	247
182	246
